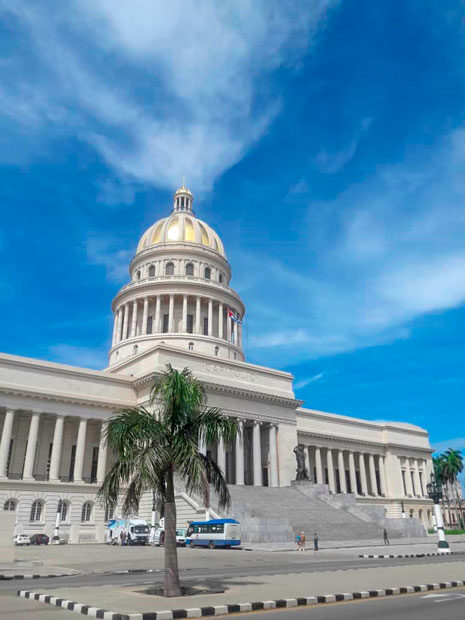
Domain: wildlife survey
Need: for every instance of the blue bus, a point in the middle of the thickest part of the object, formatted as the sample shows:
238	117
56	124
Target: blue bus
214	533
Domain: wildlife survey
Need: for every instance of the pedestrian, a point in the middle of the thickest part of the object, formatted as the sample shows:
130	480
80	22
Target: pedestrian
302	541
315	541
123	538
297	540
386	539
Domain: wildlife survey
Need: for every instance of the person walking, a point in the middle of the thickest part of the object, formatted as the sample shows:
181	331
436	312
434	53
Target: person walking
297	540
315	541
385	536
302	541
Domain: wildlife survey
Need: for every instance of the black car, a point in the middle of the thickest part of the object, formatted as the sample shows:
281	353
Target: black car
39	539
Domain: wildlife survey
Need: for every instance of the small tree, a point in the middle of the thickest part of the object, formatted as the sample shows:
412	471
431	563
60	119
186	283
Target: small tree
151	445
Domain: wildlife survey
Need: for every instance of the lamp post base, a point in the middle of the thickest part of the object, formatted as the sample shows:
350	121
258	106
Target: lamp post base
443	547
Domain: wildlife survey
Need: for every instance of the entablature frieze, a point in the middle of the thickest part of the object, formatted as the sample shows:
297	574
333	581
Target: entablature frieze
356	445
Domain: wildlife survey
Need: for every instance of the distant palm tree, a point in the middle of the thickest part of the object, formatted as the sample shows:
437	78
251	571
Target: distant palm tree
452	466
152	445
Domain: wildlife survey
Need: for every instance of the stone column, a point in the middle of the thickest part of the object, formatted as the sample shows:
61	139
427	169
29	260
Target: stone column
80	450
31	447
330	466
5	441
416	475
318	465
120	326
171	314
363	474
342	471
228	326
115	328
274	479
382	475
257	456
135	306
197	315
57	445
353	477
102	455
210	317
235	333
307	460
124	335
220	321
240	454
202	445
184	314
221	459
371	464
408	478
145	315
157	329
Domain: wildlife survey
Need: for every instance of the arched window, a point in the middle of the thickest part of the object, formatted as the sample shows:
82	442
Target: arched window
169	269
420	514
63	509
189	269
138	274
152	271
191	346
208	273
10	505
217	350
411	513
86	512
109	511
221	278
135	348
36	511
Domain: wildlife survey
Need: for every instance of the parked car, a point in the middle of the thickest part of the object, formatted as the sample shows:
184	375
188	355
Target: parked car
159	537
22	539
39	539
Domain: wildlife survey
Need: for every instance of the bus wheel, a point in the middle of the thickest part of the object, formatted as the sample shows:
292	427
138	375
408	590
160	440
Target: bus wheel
192	545
211	545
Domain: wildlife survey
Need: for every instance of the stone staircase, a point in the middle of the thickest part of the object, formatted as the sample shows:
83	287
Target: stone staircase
270	514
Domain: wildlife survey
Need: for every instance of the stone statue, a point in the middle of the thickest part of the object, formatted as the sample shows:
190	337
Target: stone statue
302	473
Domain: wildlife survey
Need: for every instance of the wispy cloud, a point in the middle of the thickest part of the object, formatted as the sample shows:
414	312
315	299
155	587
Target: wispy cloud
303	382
394	252
106	252
180	93
78	356
457	443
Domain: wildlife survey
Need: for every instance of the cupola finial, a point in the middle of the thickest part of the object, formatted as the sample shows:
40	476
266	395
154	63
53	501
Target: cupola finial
183	199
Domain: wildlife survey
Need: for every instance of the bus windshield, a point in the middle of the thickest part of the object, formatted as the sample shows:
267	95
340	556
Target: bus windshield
140	529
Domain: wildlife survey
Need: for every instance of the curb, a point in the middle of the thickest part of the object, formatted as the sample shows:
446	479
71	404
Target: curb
11	577
407	555
221	610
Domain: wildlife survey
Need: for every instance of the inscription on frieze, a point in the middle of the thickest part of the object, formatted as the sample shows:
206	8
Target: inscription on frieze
233	373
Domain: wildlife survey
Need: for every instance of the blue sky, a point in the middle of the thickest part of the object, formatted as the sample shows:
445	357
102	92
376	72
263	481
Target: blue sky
323	140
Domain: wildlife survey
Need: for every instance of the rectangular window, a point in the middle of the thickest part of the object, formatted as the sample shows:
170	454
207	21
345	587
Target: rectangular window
71	464
205	326
358	482
421	484
47	470
10	452
338	481
93	471
149	324
166	319
190	323
413	484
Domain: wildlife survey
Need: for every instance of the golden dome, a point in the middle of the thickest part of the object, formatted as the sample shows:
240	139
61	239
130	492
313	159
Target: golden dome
181	228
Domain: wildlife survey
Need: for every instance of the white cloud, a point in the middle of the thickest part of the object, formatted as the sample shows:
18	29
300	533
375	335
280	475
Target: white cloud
388	250
104	251
83	357
159	89
303	382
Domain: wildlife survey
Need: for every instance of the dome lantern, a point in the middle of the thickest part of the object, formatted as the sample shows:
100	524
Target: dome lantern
183	200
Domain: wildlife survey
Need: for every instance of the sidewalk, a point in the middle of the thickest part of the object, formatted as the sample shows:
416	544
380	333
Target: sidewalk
132	599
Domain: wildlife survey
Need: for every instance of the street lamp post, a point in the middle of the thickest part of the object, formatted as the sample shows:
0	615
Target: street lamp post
434	490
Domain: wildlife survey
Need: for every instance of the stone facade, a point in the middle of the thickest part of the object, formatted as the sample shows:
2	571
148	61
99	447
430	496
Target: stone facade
179	308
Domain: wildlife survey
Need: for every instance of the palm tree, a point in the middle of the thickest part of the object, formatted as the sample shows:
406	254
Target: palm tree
438	468
452	466
153	444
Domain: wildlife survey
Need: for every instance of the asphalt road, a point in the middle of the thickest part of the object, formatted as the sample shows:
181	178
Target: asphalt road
449	605
266	567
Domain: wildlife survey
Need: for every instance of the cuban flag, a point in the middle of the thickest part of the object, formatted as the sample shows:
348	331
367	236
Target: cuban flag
234	317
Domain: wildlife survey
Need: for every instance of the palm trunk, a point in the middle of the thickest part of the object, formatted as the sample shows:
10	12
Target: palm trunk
460	507
172	587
